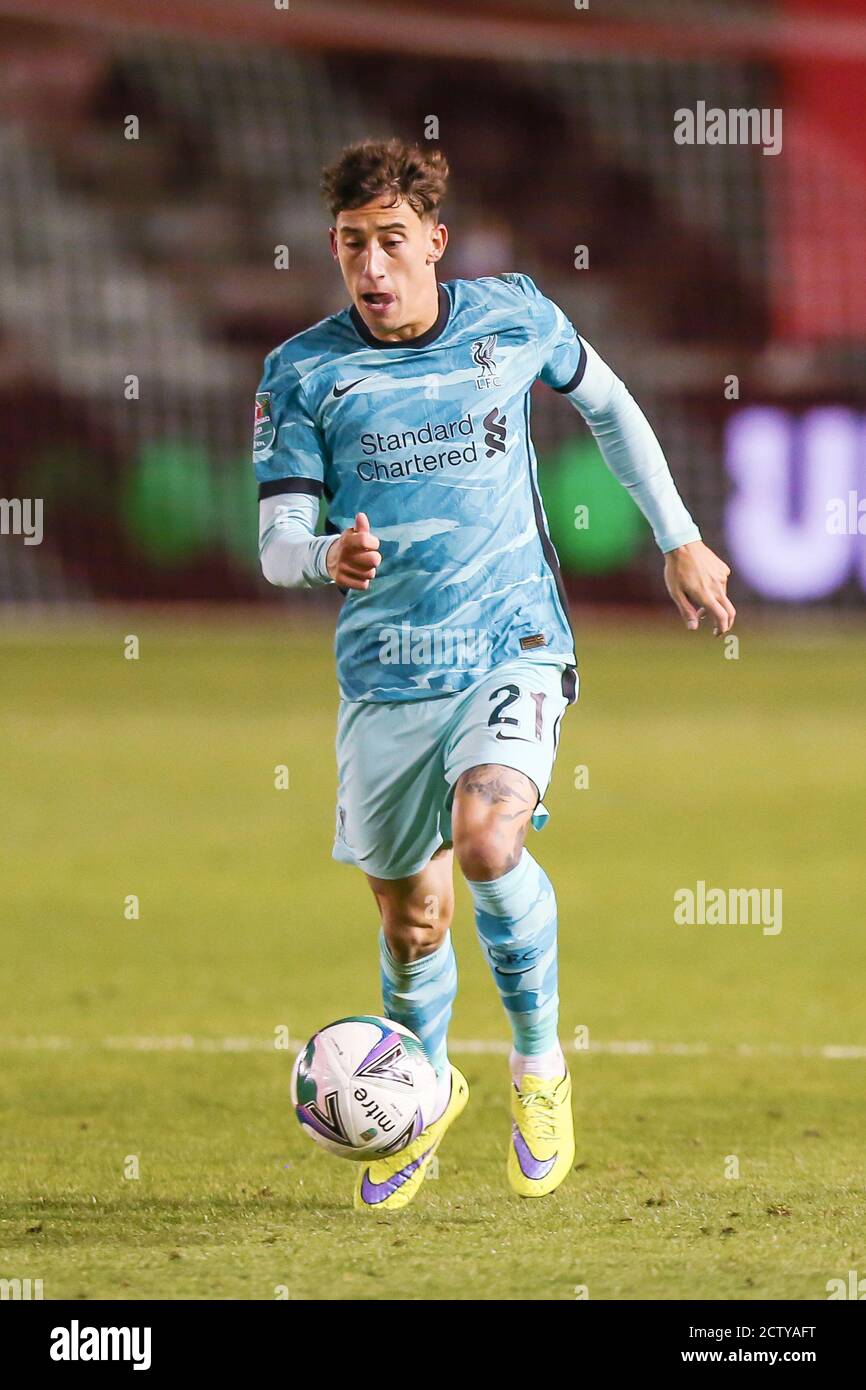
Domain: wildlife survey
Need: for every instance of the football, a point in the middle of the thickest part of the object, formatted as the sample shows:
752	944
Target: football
363	1087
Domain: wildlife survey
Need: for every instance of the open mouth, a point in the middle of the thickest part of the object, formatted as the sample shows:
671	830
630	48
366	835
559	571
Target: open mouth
380	302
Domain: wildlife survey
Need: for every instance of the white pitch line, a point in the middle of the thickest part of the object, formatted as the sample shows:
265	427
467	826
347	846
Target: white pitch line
185	1042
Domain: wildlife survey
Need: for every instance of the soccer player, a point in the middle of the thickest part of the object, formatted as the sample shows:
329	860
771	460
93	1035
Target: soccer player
408	411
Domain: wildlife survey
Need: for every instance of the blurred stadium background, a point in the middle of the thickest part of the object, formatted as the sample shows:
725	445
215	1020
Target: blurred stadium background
151	1034
154	258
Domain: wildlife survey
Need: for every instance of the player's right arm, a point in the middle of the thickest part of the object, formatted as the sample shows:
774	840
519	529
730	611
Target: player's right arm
290	458
293	556
355	556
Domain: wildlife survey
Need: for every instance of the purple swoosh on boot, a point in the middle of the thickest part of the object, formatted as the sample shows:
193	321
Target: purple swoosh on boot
530	1166
374	1192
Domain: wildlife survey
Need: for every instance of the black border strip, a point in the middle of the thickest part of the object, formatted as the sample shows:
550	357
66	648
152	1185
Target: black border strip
569	684
312	487
546	542
578	375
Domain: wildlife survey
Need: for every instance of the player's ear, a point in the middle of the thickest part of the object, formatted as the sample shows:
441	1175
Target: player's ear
332	235
438	242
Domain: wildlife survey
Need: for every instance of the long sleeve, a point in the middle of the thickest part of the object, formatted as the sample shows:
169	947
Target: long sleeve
630	449
568	364
292	555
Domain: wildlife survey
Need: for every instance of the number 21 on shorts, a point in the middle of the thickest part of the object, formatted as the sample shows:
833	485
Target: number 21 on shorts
517	715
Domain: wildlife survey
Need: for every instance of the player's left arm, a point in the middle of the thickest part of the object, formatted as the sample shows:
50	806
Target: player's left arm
695	577
697	580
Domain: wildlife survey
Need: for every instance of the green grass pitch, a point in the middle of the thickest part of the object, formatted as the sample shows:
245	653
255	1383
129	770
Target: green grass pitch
150	1041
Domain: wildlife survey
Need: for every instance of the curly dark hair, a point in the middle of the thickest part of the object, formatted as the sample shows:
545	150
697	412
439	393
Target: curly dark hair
372	168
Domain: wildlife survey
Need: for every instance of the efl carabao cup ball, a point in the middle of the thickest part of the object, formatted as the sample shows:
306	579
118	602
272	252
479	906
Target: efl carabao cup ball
363	1087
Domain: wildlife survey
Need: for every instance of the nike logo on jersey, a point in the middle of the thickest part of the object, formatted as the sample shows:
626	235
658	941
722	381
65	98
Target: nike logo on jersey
341	390
514	738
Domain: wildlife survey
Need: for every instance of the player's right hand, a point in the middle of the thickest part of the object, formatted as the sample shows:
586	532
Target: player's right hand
352	560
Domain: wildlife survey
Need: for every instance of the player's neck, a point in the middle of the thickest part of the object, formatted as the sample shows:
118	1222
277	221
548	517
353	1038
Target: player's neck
424	316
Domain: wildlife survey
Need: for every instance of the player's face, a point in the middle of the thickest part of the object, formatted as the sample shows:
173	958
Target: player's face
387	253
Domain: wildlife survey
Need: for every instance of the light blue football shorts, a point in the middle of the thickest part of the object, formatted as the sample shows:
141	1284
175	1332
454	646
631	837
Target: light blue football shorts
398	761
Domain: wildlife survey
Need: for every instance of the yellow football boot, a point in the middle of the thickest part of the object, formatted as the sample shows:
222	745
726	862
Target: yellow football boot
389	1184
541	1151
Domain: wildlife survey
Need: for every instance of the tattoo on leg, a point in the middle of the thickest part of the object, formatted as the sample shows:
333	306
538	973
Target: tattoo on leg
495	786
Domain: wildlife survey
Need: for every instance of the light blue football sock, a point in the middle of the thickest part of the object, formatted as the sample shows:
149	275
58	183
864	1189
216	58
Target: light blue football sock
419	994
516	920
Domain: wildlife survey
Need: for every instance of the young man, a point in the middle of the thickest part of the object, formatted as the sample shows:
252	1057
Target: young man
409	412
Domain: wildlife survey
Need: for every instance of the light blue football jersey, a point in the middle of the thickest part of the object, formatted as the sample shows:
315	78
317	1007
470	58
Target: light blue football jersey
430	438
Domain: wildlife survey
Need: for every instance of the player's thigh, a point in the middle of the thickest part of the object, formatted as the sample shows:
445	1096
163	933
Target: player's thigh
499	760
392	789
511	718
490	816
417	911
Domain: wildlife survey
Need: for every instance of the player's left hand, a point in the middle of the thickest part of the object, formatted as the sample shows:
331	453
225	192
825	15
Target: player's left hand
697	582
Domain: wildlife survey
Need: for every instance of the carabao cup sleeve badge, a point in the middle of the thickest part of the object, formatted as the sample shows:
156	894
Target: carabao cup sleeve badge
264	433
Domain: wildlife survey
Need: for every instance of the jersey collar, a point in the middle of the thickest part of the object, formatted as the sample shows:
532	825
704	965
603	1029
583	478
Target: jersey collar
423	339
